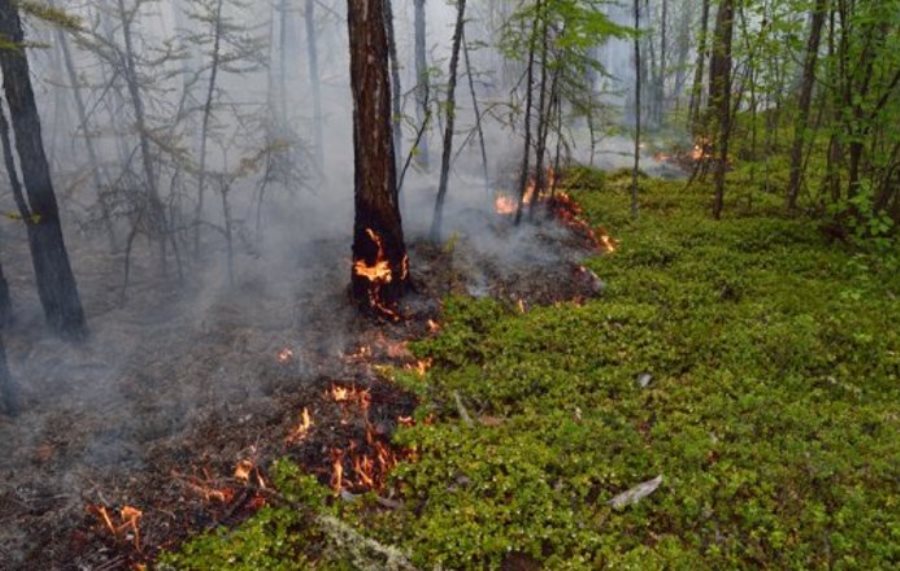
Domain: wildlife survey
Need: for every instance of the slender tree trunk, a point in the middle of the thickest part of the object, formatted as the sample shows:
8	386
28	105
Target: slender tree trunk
397	99
529	101
637	110
380	273
282	61
663	63
543	117
805	99
423	79
451	122
697	89
55	281
155	209
207	116
6	312
477	110
720	96
81	108
315	82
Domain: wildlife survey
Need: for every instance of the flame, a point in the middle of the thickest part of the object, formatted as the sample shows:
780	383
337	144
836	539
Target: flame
301	431
607	243
285	356
433	326
380	275
243	470
406	421
505	205
421	366
129	520
342	394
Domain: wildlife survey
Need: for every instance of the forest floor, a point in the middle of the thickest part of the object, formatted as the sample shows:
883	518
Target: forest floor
165	423
744	371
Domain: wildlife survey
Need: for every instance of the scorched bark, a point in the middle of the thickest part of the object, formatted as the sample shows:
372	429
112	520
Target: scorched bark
378	230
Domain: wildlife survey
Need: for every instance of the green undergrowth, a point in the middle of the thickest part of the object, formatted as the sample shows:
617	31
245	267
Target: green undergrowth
771	412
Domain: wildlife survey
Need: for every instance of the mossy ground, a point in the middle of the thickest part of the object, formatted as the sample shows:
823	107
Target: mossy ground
772	412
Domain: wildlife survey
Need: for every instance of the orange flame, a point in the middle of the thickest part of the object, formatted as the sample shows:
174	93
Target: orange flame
379	275
129	520
301	431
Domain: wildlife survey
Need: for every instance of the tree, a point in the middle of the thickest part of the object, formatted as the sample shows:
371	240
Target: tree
315	82
423	79
9	392
720	96
451	121
637	109
56	284
380	274
805	99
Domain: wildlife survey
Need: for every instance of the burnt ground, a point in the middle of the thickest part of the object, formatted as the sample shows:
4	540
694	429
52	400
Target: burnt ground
180	384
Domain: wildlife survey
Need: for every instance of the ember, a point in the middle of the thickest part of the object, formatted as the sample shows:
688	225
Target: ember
285	356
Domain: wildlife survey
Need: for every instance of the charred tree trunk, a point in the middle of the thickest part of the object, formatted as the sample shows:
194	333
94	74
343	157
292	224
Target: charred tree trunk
450	124
805	99
397	98
55	281
315	83
637	110
697	89
381	267
720	96
423	78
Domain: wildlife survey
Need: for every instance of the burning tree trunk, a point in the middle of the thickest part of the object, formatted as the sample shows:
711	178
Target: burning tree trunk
55	280
380	264
451	122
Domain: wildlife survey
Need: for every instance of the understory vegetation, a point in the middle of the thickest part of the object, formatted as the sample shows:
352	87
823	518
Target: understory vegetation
750	362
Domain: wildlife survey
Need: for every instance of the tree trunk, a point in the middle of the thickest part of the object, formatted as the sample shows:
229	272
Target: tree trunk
477	111
720	96
543	117
8	389
397	98
450	124
6	314
529	101
697	89
207	116
55	281
81	108
806	88
423	78
315	82
380	273
637	110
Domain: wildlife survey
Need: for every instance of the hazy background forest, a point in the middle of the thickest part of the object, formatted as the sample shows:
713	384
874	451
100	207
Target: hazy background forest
183	182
